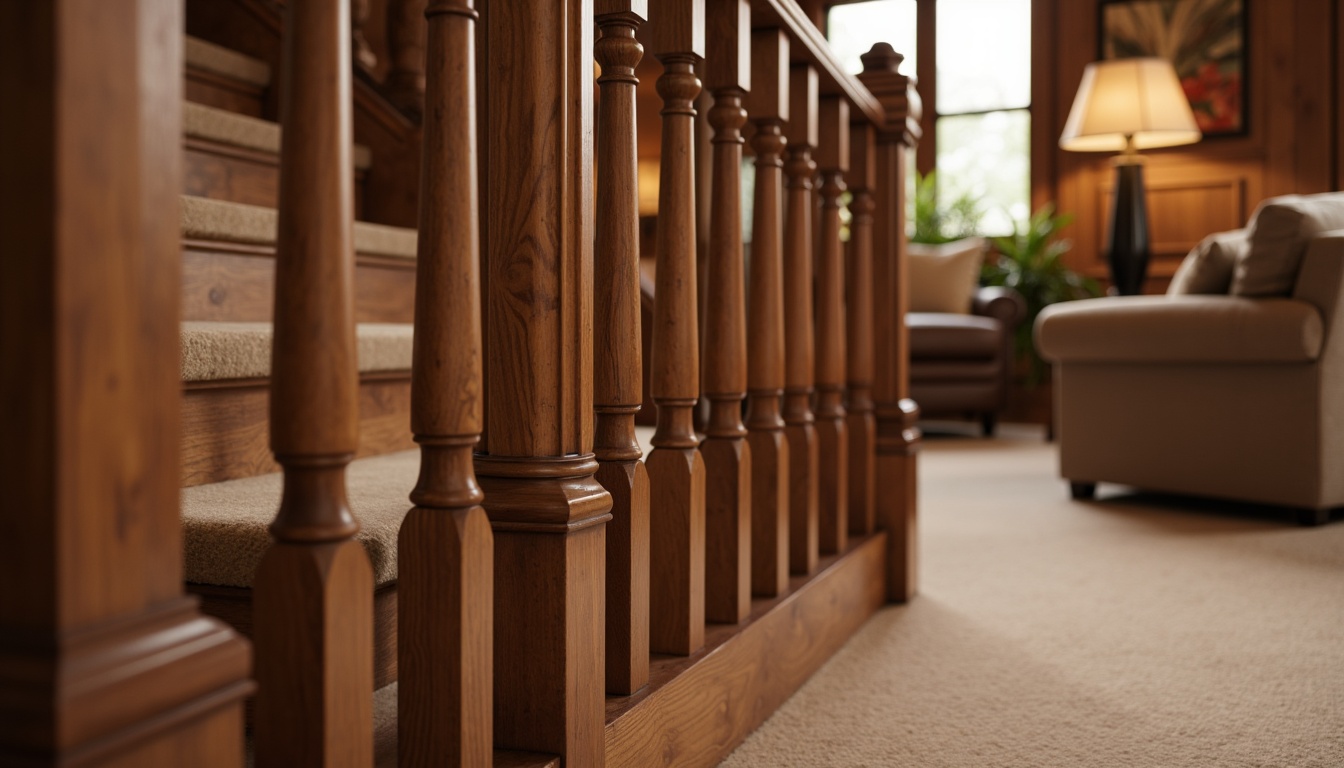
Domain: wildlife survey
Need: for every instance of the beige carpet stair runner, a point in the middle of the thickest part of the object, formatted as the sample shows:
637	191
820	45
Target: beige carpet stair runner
206	219
225	351
218	60
203	122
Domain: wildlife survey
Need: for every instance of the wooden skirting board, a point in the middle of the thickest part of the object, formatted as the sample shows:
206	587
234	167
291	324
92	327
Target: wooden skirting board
696	709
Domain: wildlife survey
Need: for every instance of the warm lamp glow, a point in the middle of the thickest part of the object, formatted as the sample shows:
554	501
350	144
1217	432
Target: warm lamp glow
1129	98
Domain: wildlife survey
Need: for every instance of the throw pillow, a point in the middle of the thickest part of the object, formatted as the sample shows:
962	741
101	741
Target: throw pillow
1209	266
1279	232
943	278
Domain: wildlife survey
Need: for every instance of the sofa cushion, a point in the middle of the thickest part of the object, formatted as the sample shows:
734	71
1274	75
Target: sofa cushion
1209	266
1180	329
1279	232
949	336
943	277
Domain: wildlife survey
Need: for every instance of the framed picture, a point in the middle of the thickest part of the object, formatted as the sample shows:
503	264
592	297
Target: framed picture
1205	40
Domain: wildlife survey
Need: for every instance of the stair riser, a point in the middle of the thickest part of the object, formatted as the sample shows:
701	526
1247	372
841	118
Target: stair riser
226	435
238	175
223	92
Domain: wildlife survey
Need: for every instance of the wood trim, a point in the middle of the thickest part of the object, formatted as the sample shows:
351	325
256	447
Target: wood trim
745	672
810	47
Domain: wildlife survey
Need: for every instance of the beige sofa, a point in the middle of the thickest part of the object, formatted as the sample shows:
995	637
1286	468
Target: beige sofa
1237	396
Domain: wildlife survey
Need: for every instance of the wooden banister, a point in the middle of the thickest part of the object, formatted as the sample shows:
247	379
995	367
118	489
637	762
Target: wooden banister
799	168
768	106
313	594
861	180
676	471
725	451
617	361
445	560
832	436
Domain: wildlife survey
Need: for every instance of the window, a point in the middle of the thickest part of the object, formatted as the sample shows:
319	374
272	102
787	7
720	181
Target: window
981	113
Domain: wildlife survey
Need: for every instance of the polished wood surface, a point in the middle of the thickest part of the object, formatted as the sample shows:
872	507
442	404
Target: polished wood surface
102	660
617	359
406	46
238	174
725	451
768	105
676	471
861	178
799	351
536	464
445	549
831	428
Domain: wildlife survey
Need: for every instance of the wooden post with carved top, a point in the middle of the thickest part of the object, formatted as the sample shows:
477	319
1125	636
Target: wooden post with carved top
862	425
445	550
725	451
313	594
536	465
799	168
898	435
616	352
832	435
768	105
676	471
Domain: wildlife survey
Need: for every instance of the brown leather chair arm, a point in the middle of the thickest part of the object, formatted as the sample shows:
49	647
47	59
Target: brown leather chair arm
1004	304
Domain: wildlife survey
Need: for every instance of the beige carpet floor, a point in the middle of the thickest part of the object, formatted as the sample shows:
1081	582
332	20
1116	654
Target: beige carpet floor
1136	630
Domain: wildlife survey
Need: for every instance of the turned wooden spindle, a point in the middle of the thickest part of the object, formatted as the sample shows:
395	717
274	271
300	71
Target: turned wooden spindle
832	435
862	425
313	594
445	550
536	465
616	348
359	44
725	451
406	36
676	471
768	105
799	169
898	435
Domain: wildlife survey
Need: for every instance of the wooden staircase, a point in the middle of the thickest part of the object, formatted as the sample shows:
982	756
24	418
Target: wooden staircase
399	455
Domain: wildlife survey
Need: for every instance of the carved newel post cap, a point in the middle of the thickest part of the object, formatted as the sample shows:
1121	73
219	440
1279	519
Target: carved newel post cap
881	57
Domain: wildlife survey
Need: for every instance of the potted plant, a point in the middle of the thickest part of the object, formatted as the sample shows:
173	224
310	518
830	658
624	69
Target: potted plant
934	225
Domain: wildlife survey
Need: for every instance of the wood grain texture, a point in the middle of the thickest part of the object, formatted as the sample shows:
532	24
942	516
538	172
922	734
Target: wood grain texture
239	175
617	355
767	103
860	421
405	82
832	432
215	90
102	660
696	710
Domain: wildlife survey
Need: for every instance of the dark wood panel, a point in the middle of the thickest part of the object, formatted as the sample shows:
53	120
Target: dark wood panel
746	671
239	175
223	93
225	434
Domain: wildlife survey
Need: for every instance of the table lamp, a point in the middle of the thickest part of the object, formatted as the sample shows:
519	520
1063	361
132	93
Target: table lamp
1126	105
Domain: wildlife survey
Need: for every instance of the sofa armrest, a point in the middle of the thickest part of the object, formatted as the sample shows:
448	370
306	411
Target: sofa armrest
1004	304
1180	329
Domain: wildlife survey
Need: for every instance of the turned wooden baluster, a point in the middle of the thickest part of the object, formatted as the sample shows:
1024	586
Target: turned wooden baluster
617	361
676	471
862	425
313	595
768	105
898	435
548	511
799	168
832	436
445	550
359	44
406	35
726	454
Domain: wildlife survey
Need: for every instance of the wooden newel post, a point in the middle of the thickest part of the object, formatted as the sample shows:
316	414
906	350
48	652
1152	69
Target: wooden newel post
862	424
445	560
768	105
798	339
676	471
898	435
313	595
725	451
548	511
832	434
617	361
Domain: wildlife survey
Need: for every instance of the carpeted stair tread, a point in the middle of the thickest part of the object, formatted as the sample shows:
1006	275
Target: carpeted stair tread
205	122
225	351
219	60
225	525
206	219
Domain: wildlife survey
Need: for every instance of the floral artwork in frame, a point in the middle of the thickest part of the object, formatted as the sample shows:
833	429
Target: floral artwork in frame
1205	40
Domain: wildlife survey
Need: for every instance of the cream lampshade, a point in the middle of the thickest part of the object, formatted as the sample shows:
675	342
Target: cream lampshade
1125	105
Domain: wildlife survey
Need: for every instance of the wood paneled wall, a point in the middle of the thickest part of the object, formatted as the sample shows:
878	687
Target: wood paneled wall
1295	80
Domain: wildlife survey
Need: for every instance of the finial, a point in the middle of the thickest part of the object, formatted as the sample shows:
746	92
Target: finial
882	57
